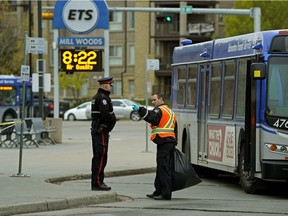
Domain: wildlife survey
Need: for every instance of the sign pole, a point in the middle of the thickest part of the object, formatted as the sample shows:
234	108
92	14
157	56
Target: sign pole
19	174
146	103
151	64
55	70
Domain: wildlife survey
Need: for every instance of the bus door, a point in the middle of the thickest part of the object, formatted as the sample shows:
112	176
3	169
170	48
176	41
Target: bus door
202	111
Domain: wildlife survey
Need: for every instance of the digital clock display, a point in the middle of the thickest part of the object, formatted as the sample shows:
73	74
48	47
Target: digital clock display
81	60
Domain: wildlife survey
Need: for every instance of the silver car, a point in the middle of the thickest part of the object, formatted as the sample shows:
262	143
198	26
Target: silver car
122	109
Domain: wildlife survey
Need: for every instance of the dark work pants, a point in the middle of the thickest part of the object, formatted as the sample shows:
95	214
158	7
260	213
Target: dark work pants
99	160
163	180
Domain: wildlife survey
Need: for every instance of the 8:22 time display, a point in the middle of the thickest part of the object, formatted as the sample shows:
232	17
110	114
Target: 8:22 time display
81	60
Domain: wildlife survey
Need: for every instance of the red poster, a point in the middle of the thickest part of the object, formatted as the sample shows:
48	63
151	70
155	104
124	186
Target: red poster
215	138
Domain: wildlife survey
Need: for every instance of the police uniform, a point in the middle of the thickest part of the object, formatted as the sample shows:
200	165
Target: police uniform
164	132
103	121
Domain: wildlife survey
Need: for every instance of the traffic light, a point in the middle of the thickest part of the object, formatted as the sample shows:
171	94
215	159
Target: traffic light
164	18
47	15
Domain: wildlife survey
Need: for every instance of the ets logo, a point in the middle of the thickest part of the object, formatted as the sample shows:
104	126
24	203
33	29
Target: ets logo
80	16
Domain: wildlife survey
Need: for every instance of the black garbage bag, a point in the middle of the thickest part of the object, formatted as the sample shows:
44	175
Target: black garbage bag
183	174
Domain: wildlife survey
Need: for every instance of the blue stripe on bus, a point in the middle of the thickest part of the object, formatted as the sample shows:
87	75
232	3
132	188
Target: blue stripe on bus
266	129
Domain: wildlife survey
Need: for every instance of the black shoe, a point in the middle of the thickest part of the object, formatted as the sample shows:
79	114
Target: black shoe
103	187
151	196
160	197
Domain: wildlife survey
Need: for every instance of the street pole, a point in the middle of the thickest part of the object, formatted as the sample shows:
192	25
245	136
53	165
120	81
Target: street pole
22	112
146	103
40	56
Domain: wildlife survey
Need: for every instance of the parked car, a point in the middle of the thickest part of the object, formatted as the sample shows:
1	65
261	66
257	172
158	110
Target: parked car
48	107
77	113
122	109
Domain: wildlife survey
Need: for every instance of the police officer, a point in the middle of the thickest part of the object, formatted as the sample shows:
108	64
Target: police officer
103	121
164	133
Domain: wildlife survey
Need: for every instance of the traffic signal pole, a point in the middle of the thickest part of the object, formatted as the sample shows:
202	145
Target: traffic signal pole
255	12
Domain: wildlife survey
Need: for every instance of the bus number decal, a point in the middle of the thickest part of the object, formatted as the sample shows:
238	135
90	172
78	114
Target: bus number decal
280	123
221	144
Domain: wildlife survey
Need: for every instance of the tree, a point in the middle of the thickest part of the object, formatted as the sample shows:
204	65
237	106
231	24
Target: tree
73	82
273	16
11	41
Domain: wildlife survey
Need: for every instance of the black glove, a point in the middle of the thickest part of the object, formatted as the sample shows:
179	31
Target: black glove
101	128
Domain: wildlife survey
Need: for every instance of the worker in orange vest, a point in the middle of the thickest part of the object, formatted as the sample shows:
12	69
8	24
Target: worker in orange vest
164	133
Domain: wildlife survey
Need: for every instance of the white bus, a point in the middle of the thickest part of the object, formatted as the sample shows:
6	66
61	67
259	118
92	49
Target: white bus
230	96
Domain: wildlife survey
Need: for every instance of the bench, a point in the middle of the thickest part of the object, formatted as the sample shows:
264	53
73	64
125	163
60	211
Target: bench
42	132
29	136
7	131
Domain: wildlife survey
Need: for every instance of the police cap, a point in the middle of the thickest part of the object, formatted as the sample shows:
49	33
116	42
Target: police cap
106	80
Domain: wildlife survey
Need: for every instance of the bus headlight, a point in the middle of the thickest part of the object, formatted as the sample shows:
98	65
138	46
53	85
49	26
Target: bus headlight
283	149
276	148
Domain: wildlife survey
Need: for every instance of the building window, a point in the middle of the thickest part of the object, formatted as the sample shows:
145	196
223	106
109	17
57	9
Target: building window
131	54
117	88
131	87
115	53
115	21
131	20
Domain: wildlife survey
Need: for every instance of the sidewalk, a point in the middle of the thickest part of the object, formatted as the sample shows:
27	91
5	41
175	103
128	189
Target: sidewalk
32	192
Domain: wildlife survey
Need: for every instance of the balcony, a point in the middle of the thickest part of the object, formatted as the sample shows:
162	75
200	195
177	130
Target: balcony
200	28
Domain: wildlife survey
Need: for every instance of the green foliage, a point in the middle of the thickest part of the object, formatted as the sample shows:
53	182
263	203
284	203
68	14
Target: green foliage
11	40
73	82
273	16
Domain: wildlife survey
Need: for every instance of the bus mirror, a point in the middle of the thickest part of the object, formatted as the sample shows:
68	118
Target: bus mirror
258	71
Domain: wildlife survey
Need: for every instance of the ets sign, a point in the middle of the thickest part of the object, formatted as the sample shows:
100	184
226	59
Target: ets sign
80	16
81	60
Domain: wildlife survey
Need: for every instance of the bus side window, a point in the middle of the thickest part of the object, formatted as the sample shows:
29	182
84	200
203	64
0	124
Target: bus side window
241	90
181	85
192	86
215	91
229	83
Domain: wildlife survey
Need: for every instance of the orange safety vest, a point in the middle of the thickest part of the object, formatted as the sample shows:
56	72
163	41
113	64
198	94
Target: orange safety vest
166	124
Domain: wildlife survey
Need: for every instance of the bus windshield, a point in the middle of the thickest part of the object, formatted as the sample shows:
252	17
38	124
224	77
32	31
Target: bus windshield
8	96
277	91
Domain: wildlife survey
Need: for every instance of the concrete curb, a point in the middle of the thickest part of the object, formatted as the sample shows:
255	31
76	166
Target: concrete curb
59	180
58	204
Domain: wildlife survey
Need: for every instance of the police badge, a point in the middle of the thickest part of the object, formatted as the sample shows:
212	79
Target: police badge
104	101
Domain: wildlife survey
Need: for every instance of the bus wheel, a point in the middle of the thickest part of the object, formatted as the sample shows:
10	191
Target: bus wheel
248	183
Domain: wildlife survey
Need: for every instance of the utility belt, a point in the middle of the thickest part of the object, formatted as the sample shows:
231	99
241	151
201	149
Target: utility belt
98	127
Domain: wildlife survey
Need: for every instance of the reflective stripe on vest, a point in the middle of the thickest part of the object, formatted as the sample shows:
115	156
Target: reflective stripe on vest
166	125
